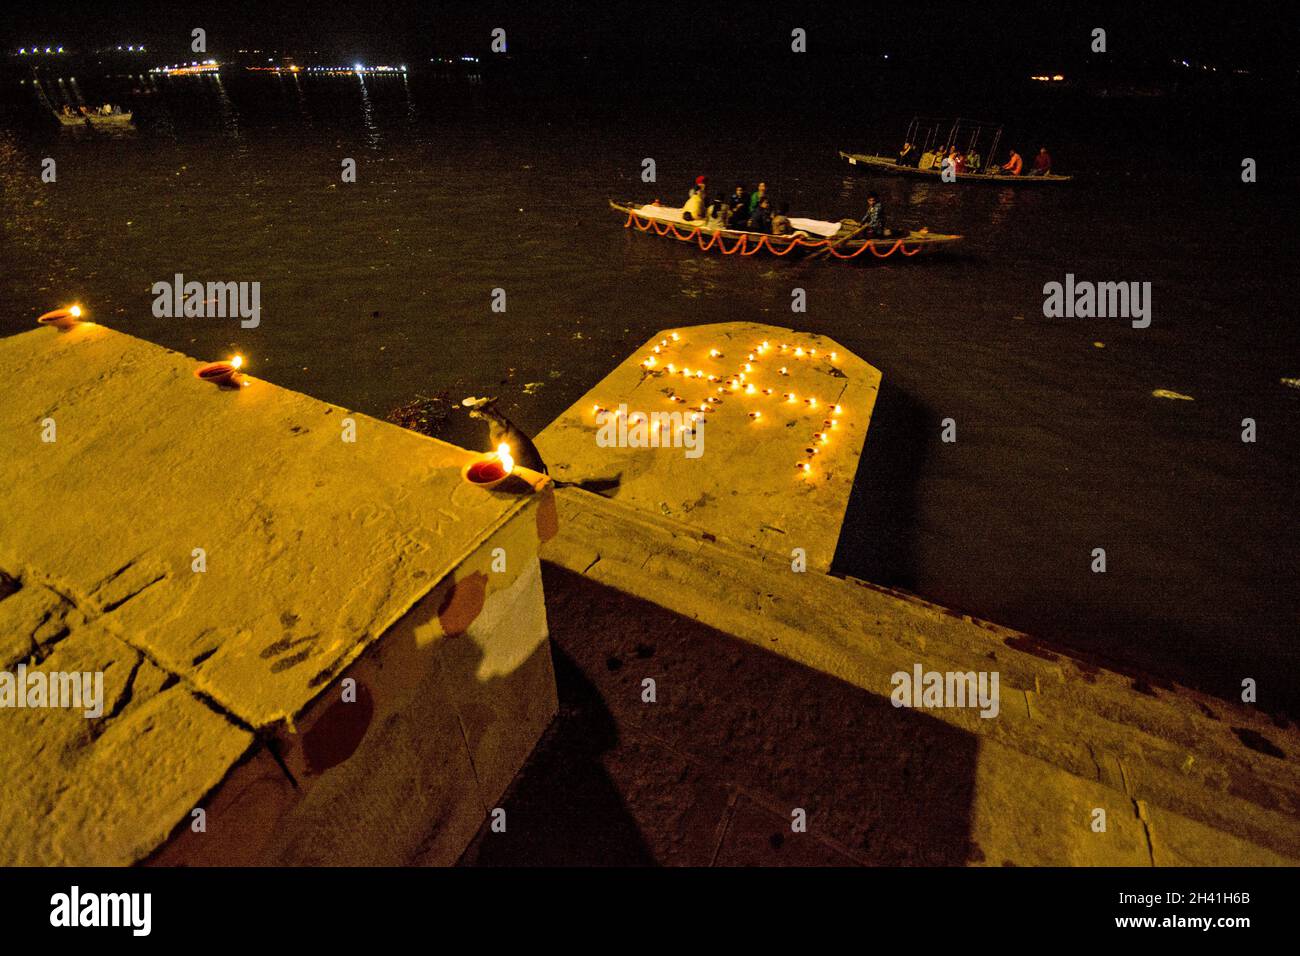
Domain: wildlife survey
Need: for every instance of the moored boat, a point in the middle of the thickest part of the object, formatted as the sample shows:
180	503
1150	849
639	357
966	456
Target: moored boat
837	238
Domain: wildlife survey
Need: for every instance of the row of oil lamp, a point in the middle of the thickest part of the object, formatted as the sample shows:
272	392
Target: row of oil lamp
486	472
226	374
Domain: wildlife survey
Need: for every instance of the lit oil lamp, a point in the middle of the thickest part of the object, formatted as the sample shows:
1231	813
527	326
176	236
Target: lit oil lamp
798	353
755	415
836	410
62	318
783	370
834	357
789	396
812	402
750	389
804	466
714	353
223	374
676	336
490	471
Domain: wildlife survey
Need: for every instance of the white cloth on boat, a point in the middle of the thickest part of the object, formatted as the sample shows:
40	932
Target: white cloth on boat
815	227
818	227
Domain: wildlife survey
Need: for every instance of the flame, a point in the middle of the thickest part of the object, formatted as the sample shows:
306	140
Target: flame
507	460
76	311
237	361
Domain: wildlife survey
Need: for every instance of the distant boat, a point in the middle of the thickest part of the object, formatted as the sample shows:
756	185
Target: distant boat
837	239
96	119
927	134
889	164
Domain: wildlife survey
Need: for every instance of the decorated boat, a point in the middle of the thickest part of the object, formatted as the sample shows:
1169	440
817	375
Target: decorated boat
838	239
927	134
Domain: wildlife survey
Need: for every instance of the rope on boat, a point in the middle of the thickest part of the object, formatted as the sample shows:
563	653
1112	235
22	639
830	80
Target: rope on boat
761	241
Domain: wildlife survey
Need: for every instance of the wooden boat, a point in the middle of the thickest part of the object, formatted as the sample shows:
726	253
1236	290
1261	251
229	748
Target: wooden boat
929	133
113	120
812	236
889	164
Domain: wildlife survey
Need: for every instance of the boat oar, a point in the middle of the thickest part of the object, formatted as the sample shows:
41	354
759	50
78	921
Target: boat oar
825	249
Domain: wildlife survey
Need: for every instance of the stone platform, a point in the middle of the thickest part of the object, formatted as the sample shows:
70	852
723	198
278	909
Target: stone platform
350	668
748	483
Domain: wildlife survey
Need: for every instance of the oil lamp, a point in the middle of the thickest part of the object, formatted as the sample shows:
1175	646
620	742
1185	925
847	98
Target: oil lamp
62	318
223	374
490	471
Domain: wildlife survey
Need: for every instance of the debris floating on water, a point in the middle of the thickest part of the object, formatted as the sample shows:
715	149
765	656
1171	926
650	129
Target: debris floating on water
1165	393
1291	382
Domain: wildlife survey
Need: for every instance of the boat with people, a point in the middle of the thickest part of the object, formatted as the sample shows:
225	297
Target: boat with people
960	150
839	239
94	119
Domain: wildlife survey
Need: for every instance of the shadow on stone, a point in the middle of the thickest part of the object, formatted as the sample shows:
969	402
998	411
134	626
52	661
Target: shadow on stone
712	771
881	520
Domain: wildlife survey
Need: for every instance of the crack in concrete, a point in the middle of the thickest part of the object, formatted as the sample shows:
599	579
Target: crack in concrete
1139	809
100	727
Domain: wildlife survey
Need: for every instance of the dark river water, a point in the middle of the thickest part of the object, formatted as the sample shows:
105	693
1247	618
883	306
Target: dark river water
377	292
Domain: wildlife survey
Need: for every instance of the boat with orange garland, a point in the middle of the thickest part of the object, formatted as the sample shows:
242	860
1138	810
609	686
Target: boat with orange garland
836	239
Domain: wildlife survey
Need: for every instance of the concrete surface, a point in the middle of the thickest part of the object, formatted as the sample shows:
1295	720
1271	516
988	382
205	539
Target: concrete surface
325	560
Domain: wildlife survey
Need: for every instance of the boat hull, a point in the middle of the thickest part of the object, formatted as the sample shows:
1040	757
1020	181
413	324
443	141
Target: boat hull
886	164
114	121
733	242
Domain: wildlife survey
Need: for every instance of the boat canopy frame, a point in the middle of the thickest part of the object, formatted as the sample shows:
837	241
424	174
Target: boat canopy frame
924	131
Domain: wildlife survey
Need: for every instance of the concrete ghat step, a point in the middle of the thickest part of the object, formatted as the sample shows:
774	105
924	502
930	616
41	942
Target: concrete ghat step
1172	753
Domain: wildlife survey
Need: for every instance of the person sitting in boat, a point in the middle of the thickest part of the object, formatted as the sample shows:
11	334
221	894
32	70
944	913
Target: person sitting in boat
873	220
1042	163
694	208
781	221
927	160
761	220
756	197
957	161
67	111
973	161
907	155
718	213
1014	165
738	218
